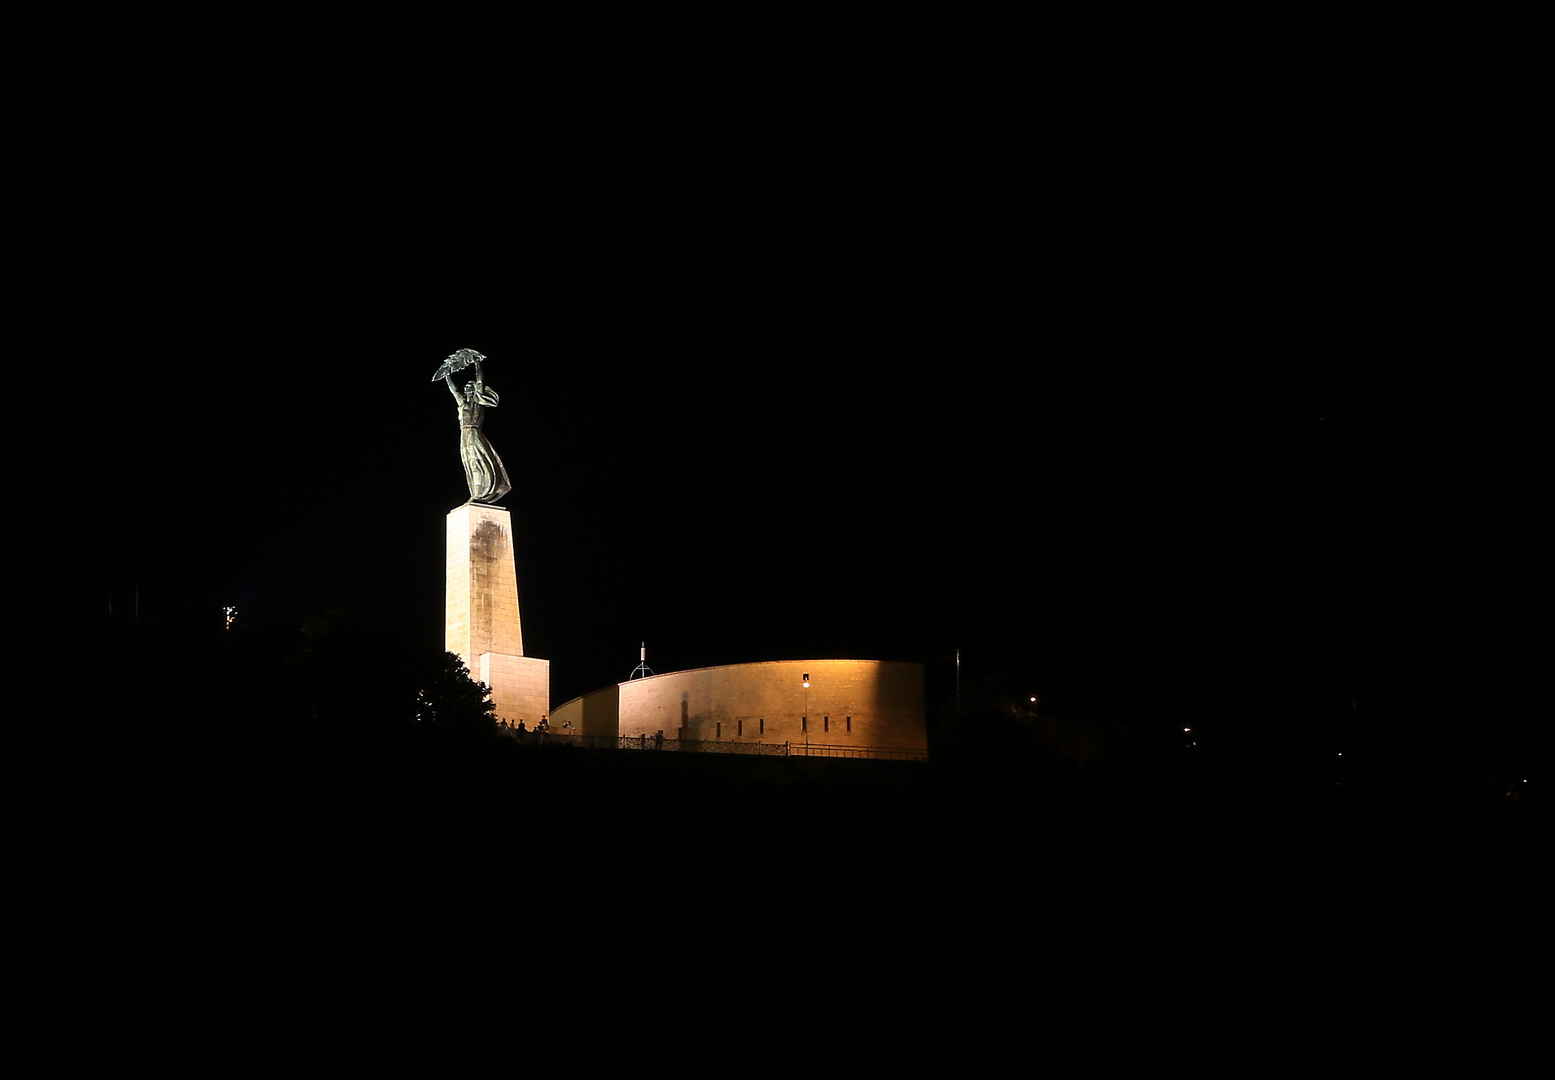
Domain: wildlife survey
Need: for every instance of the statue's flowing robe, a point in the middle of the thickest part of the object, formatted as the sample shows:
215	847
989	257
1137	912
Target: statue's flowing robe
483	469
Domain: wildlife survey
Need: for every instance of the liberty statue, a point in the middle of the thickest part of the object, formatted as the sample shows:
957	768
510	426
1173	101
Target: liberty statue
483	469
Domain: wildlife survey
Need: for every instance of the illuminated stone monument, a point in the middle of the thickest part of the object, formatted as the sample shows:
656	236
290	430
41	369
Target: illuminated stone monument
482	623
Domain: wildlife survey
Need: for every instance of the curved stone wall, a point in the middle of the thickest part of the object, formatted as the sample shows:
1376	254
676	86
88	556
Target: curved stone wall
877	703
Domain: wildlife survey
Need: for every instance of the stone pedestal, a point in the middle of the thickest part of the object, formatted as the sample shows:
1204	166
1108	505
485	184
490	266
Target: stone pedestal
520	685
482	623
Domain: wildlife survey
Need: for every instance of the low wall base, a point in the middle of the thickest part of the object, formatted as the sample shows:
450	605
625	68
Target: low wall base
520	685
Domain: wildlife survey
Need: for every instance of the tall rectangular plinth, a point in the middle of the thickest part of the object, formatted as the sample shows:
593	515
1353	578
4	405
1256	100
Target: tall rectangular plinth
482	612
481	619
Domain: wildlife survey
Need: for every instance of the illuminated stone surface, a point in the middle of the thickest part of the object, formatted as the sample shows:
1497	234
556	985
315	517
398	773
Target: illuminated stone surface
595	713
481	619
520	685
765	702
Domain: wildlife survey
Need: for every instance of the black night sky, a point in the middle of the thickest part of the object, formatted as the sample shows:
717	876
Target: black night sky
1169	367
1177	369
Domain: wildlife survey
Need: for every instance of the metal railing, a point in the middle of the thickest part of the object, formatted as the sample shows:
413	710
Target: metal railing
879	753
715	746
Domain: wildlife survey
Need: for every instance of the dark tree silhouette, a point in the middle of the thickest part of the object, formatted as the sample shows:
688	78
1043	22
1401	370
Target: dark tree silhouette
354	678
450	700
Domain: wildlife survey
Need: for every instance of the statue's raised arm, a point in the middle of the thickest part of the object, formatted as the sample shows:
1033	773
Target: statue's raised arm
483	471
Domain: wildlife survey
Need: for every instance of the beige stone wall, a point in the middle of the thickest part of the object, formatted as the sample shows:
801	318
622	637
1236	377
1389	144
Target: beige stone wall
876	703
481	613
481	585
595	713
520	686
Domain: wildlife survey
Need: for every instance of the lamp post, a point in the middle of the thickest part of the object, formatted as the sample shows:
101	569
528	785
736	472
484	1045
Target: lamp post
804	719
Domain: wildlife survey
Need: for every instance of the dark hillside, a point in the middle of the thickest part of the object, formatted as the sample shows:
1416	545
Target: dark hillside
228	878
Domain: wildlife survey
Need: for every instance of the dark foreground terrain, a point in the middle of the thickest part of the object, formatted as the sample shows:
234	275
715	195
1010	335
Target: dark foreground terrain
237	895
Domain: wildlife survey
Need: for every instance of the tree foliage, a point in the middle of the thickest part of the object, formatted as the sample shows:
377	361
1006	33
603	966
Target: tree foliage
349	674
449	699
